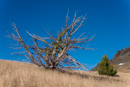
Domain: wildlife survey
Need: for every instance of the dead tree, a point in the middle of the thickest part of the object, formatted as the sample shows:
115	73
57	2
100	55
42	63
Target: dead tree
54	54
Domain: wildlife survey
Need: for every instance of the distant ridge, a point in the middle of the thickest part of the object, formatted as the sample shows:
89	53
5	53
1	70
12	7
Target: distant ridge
121	60
122	56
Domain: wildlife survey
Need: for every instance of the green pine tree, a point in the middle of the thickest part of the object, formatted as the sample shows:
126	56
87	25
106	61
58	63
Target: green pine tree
105	68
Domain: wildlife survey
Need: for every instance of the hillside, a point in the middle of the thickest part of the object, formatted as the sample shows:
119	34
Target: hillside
122	56
121	60
17	74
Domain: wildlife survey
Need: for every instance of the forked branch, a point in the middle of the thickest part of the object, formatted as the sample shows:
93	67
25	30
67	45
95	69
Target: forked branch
55	54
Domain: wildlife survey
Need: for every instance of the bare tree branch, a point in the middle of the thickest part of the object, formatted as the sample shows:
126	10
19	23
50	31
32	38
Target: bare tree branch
54	54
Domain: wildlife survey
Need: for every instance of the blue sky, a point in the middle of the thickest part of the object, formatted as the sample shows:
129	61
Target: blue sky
108	19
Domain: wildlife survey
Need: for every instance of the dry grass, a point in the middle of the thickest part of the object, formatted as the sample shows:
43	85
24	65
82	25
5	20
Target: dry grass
16	74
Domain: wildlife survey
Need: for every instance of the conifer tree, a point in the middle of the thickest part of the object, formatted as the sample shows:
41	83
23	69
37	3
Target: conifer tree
105	68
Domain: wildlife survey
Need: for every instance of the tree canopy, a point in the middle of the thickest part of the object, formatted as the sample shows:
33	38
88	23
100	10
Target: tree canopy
105	68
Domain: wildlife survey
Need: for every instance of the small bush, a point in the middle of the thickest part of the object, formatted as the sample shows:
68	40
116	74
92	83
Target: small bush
105	68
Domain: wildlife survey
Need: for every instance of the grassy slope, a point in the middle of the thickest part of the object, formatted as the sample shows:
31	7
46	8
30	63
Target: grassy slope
16	74
123	68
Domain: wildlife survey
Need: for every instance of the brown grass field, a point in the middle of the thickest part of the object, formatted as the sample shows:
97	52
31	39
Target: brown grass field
17	74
